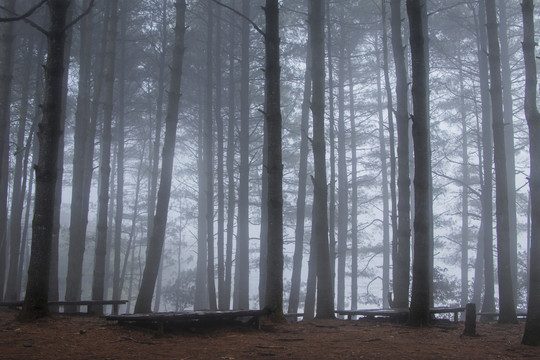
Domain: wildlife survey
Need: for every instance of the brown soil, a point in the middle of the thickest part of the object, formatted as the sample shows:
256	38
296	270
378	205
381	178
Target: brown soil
83	337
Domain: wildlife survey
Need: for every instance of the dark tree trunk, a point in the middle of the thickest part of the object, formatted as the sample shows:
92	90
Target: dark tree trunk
319	232
507	310
354	192
401	255
98	280
296	277
49	133
273	122
531	335
420	297
6	60
155	247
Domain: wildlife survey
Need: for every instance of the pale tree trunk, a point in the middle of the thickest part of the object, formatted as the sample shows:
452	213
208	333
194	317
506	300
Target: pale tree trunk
506	74
354	192
242	242
296	276
384	191
531	335
231	150
273	123
479	260
83	157
319	232
464	192
420	297
155	247
17	192
390	115
98	280
220	172
343	182
401	255
209	162
488	304
49	134
507	310
6	60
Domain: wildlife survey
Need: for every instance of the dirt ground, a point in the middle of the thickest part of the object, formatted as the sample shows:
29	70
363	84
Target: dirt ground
84	337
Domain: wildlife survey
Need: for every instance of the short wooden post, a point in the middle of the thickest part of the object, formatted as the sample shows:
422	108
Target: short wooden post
470	320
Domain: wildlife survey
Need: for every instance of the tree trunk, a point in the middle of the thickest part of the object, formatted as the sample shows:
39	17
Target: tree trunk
117	291
273	122
401	250
37	289
242	242
390	113
343	182
17	193
296	277
155	248
98	280
420	297
319	232
209	162
507	310
6	60
354	191
85	128
531	336
506	74
488	304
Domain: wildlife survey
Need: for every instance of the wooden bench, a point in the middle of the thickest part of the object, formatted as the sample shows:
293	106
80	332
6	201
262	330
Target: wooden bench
87	303
399	313
521	314
175	318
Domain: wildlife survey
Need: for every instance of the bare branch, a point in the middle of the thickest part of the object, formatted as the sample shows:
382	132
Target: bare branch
23	16
80	16
255	26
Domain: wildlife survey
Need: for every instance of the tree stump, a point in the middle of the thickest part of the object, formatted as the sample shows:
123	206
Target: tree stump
470	320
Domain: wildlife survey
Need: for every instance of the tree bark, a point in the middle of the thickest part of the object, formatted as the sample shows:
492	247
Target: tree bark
420	297
401	255
507	310
531	336
319	232
155	248
49	133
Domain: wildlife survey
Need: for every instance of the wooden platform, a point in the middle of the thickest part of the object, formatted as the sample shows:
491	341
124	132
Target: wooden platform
171	318
398	313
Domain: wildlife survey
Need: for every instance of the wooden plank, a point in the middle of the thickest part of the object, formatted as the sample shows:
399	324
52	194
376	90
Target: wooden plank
187	316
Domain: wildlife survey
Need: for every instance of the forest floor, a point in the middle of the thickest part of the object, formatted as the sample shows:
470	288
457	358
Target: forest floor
85	337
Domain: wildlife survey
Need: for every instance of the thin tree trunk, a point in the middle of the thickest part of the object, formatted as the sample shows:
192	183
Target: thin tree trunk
390	113
155	248
6	61
354	191
98	280
242	243
296	277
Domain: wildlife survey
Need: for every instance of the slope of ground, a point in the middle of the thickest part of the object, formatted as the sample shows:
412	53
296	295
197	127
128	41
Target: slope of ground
82	337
